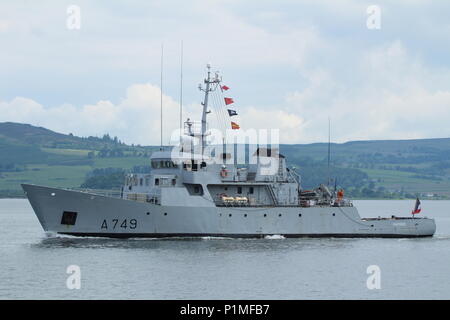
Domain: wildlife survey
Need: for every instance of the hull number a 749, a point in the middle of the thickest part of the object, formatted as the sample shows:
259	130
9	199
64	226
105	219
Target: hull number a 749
112	224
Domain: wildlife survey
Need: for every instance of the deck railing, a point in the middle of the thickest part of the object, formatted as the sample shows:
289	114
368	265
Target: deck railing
100	192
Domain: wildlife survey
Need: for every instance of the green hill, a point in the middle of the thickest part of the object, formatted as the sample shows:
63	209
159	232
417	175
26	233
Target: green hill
27	134
402	167
366	169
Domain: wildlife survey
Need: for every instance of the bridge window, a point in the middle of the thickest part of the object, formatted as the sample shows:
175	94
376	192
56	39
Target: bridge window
190	165
157	182
159	164
155	164
194	189
251	190
239	190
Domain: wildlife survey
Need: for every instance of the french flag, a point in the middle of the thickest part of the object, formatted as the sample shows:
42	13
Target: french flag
417	208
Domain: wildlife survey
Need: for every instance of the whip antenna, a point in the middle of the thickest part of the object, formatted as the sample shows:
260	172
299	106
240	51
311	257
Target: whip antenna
329	149
161	125
181	92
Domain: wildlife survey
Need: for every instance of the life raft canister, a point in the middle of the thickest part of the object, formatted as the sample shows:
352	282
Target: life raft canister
223	173
340	195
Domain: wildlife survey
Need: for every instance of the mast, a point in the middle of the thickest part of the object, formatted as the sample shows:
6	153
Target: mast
205	107
211	84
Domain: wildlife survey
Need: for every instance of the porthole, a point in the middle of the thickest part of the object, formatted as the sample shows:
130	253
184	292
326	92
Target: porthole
265	215
299	214
148	213
53	194
334	214
230	215
165	213
245	215
279	215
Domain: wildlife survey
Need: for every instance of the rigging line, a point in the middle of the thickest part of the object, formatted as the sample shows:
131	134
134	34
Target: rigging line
225	108
224	113
219	115
225	117
218	118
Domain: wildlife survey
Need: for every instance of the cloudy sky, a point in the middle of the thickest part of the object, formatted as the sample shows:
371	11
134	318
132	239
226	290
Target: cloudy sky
289	64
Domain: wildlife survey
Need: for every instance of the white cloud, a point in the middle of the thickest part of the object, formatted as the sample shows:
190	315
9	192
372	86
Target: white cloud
289	124
135	119
395	97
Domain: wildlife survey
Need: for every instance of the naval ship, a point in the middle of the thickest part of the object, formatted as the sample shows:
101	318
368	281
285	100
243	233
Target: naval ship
190	194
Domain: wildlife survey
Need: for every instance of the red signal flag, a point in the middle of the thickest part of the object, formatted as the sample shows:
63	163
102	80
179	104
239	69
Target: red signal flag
228	101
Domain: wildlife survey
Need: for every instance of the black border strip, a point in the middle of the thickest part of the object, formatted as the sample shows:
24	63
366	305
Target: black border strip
171	309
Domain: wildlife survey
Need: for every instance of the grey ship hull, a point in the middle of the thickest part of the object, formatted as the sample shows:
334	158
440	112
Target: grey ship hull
114	217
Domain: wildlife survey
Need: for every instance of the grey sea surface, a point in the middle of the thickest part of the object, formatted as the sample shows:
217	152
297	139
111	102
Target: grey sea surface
33	265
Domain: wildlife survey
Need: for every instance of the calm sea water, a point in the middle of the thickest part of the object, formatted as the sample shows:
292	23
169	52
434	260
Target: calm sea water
33	266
